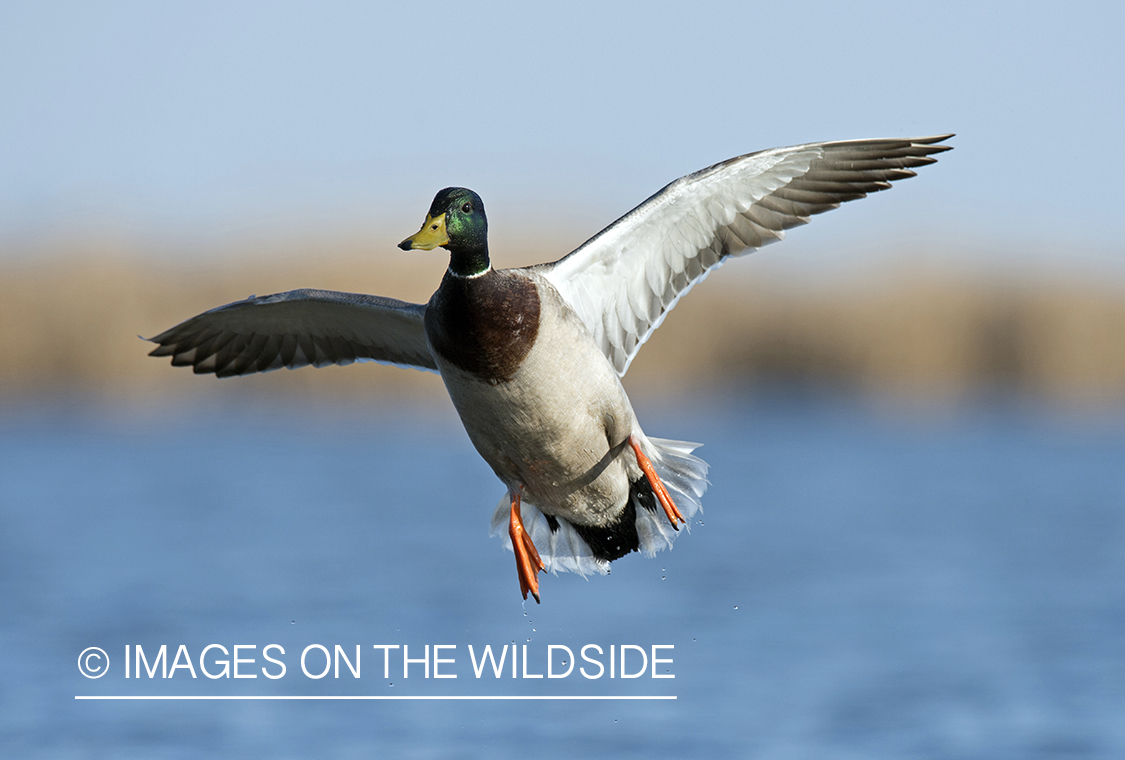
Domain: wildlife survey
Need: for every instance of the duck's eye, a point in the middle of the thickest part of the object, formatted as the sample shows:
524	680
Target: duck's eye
468	207
433	227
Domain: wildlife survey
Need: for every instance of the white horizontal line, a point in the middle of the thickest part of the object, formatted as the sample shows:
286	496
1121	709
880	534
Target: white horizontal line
402	697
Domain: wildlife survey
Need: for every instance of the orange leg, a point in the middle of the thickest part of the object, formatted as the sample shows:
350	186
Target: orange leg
657	486
528	563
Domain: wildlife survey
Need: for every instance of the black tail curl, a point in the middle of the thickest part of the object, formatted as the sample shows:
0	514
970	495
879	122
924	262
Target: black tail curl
614	541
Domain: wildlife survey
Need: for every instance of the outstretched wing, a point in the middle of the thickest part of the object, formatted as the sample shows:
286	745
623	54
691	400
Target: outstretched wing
624	280
297	328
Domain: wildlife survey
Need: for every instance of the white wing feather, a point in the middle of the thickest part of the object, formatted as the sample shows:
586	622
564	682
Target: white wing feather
624	280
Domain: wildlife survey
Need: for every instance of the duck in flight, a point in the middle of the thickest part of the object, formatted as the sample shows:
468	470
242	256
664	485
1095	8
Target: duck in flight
533	357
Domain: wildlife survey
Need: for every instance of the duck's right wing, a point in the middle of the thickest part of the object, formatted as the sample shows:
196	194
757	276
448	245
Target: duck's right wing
298	328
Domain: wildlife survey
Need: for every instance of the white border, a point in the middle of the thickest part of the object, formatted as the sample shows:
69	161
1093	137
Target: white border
300	697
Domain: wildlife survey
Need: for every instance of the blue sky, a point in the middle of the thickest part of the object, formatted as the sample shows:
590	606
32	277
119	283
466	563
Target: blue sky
214	120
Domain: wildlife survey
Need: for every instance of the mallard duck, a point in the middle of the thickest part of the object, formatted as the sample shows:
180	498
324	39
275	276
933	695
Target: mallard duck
533	357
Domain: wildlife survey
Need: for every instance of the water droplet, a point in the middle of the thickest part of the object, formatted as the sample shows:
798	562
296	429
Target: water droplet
736	606
392	683
292	622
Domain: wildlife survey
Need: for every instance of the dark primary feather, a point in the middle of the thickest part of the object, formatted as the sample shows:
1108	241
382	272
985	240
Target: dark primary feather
295	329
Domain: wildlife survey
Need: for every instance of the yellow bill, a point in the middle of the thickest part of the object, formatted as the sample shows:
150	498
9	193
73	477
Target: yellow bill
431	235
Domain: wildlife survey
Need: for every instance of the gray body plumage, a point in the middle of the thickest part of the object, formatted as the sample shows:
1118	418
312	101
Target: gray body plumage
559	440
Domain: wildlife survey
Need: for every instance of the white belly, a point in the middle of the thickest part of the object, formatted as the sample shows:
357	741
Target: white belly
559	428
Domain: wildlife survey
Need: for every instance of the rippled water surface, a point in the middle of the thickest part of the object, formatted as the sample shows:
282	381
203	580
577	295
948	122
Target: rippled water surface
859	586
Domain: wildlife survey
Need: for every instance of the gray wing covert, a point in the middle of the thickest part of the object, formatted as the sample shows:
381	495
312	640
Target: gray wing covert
298	328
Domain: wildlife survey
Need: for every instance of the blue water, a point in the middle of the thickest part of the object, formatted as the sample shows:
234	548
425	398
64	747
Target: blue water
862	584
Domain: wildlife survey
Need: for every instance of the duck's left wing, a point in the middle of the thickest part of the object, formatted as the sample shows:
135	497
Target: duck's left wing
624	280
296	329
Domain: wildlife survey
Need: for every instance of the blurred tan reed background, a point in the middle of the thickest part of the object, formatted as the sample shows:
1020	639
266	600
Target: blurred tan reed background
905	328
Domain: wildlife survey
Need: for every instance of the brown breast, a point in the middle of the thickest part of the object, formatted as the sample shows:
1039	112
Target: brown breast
484	325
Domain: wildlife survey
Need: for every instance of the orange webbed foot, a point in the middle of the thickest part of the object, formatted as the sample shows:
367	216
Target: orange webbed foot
528	562
658	488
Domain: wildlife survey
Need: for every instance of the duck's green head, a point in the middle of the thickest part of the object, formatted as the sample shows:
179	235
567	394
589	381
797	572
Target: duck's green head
457	223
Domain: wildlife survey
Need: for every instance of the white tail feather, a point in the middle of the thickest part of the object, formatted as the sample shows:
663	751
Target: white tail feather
685	477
